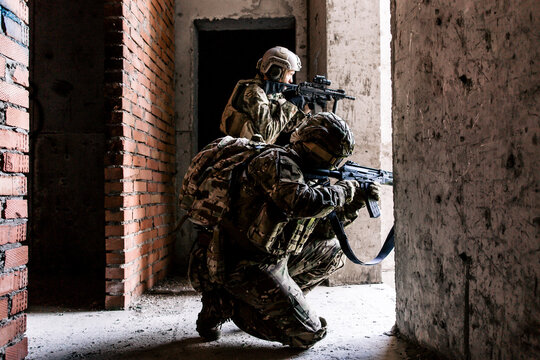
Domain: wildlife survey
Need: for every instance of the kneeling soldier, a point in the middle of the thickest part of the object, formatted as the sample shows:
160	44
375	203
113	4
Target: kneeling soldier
274	243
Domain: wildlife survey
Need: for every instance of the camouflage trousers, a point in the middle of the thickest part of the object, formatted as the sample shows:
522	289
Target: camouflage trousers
267	299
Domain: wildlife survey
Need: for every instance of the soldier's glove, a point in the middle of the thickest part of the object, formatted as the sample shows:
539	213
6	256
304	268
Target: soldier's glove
320	102
295	98
359	201
350	187
372	191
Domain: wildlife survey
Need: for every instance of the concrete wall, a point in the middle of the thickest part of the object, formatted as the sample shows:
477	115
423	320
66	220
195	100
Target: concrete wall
466	127
345	46
186	72
14	169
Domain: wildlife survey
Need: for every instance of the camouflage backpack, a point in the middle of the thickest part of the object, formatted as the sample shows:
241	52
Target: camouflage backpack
206	186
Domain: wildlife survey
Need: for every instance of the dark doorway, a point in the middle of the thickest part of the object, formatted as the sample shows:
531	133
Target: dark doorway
67	144
226	56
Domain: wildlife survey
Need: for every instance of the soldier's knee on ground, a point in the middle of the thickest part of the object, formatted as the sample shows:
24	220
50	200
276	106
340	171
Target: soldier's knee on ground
307	340
289	332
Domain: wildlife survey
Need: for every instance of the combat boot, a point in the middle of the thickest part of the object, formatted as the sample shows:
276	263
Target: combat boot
216	310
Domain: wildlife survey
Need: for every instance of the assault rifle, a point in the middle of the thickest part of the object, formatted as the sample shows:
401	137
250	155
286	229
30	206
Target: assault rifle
316	93
365	176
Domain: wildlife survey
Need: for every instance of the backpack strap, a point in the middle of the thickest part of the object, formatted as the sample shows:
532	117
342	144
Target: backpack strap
234	187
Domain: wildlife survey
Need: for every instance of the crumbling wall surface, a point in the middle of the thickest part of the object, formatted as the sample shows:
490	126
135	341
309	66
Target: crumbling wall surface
140	154
187	11
466	128
14	168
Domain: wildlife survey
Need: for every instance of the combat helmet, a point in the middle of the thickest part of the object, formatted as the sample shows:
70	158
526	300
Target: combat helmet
324	140
276	61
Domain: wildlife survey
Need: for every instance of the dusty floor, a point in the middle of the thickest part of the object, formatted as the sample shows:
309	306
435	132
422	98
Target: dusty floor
161	325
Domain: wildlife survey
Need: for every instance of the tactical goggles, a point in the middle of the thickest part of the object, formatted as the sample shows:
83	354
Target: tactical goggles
324	155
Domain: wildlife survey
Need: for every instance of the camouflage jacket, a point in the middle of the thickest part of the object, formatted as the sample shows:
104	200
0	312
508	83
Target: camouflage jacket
251	111
274	209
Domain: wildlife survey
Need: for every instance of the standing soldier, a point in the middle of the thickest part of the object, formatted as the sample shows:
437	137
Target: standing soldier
256	109
270	254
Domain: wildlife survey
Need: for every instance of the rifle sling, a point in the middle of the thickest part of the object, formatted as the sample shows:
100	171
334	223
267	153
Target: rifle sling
337	226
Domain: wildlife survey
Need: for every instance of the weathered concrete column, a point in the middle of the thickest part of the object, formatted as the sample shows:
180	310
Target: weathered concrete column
345	46
466	129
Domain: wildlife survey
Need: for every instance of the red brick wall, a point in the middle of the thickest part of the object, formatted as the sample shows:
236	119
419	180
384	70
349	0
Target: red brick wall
139	195
14	128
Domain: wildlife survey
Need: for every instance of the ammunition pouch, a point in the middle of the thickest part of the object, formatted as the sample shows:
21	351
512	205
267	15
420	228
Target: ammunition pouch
274	233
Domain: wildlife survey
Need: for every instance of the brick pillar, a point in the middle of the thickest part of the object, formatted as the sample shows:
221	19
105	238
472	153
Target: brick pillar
139	196
14	127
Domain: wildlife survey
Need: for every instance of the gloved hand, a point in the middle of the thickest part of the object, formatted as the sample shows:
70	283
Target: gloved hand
351	187
295	98
320	102
359	201
372	191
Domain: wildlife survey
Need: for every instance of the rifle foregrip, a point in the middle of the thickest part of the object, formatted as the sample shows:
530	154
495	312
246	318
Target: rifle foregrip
373	208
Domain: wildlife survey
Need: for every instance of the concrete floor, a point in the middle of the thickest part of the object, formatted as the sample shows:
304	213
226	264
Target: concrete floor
161	325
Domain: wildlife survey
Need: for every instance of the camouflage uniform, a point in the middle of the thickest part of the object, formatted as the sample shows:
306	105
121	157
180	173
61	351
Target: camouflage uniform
251	111
262	260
